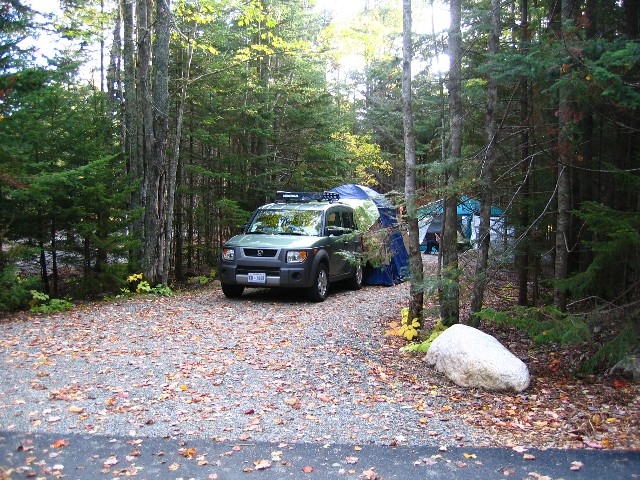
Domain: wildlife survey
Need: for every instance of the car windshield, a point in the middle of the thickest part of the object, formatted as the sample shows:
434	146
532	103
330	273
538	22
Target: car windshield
287	222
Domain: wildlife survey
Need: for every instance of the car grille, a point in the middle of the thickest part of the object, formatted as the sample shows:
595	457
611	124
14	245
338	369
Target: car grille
271	271
260	252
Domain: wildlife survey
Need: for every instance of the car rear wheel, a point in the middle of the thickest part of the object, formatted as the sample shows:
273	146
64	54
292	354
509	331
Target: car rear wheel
320	288
355	282
232	291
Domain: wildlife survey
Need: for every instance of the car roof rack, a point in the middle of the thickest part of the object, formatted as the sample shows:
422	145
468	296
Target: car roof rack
305	197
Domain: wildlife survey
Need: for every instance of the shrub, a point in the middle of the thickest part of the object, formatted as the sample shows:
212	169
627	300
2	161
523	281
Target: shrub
543	325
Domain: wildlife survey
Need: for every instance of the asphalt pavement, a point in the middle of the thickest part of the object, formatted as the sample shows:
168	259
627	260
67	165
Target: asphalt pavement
81	456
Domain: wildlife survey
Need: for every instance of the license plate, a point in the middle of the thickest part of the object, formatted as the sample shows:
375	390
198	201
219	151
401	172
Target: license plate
257	278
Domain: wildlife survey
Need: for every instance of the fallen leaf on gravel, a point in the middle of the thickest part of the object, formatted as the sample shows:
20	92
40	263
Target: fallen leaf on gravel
351	460
519	449
74	409
538	476
188	452
262	464
276	456
307	469
174	466
575	466
370	474
60	443
469	455
528	456
508	472
25	447
110	462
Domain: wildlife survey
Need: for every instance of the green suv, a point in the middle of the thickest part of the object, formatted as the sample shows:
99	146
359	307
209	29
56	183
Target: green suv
302	240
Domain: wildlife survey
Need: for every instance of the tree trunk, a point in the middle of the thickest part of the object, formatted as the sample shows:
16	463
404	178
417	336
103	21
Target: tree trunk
175	158
450	290
565	154
486	173
130	133
415	259
156	158
522	258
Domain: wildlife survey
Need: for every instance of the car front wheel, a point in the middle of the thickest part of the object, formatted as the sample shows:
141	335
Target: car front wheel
355	282
232	291
320	288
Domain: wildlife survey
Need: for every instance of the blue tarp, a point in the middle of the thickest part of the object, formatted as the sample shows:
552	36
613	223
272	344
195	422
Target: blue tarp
398	268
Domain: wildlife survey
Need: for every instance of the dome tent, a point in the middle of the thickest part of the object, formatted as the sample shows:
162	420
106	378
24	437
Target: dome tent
374	210
468	210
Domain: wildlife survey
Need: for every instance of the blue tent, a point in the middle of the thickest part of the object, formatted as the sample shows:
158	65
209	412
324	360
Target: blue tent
466	206
430	217
379	208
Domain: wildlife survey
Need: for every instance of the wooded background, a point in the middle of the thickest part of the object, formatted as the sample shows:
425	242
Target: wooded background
156	127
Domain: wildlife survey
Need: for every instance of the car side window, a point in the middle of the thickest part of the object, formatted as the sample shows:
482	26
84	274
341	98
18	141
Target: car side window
348	221
333	219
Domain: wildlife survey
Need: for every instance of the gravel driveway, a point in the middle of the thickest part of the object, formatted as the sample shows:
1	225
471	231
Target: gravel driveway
266	367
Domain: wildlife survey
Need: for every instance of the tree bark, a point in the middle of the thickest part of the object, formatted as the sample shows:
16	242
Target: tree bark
130	133
565	154
156	157
522	259
450	290
415	259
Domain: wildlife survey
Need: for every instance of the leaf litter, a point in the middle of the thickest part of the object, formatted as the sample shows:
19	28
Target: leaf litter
271	367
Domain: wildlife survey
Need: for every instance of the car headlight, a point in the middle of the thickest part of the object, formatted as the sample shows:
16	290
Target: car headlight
228	254
296	256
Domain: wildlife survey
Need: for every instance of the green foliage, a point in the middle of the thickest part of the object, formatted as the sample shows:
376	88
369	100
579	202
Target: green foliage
42	303
15	291
423	347
137	284
543	324
626	342
616	248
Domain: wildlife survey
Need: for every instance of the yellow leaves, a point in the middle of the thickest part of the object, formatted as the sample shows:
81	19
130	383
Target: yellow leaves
407	329
134	278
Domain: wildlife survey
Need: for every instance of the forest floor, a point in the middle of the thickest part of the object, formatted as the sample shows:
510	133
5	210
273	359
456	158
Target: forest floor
273	367
560	408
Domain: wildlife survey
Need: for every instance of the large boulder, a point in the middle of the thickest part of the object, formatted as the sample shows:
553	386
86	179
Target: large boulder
471	358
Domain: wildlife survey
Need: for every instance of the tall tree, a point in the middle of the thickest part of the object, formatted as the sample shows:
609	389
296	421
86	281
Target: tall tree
565	162
415	259
450	290
157	172
487	168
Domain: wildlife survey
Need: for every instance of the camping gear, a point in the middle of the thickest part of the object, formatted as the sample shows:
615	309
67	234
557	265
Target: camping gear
375	212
